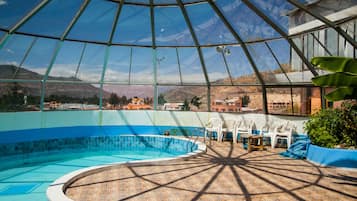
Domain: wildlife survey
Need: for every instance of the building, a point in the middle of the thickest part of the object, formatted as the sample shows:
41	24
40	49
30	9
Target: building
174	106
137	104
227	105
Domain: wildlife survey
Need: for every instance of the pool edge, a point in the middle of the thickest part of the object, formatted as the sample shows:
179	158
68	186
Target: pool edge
55	191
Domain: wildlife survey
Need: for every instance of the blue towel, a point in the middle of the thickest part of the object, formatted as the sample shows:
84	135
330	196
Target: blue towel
298	149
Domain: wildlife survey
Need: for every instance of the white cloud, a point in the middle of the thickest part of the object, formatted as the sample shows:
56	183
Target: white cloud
3	2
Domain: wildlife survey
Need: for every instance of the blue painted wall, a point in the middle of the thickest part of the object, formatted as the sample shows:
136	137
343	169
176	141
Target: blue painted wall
332	157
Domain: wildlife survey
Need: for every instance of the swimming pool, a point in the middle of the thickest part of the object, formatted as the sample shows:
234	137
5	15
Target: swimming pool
29	168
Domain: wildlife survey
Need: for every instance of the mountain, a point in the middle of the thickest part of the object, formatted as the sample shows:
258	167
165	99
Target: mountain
80	90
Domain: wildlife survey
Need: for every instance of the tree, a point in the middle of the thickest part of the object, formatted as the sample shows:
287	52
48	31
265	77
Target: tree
186	105
196	101
161	99
113	99
344	76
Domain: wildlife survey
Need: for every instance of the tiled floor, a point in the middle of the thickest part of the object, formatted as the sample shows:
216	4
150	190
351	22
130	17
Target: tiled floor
225	172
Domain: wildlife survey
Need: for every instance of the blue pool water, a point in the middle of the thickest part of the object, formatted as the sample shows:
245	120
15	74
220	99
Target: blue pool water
27	176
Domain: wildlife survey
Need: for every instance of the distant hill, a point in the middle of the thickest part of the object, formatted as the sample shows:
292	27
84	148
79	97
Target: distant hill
34	88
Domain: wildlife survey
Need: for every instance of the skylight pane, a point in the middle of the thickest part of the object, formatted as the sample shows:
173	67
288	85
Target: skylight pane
142	69
96	22
12	11
118	66
276	10
134	26
66	65
239	67
191	67
208	26
38	60
216	68
171	28
91	67
165	2
268	68
52	18
246	23
167	66
12	54
2	34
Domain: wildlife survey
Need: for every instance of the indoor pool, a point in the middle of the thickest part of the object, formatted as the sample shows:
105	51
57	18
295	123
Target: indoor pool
27	176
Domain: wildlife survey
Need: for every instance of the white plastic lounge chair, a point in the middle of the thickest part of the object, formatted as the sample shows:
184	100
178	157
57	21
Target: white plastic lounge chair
284	131
213	125
245	129
228	126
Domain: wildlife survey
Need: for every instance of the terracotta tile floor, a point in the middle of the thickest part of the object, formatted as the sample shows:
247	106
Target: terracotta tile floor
225	172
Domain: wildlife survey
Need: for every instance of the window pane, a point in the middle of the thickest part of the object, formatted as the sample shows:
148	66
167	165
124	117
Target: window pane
62	96
191	68
142	68
12	54
2	34
66	65
38	60
171	28
245	22
208	26
332	40
182	98
91	67
216	68
277	11
134	26
13	11
20	96
168	71
268	68
236	99
295	101
239	66
117	97
52	17
96	22
118	65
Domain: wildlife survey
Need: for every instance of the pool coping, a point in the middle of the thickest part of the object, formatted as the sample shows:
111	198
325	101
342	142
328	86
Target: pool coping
55	191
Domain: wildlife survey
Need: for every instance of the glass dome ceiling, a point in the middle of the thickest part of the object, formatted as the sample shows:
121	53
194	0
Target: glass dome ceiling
169	42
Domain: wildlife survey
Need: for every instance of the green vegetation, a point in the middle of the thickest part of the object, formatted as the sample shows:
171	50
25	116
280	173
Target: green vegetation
161	99
15	100
332	127
186	105
344	77
196	101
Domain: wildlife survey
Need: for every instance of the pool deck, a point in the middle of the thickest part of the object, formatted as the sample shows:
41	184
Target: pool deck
225	172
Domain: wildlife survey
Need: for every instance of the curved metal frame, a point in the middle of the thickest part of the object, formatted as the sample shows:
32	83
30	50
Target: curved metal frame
197	45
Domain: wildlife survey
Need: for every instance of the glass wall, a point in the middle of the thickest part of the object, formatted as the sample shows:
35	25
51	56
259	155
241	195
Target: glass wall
237	99
294	100
182	98
19	96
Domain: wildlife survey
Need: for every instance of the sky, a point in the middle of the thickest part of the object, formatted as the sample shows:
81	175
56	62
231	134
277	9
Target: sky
134	64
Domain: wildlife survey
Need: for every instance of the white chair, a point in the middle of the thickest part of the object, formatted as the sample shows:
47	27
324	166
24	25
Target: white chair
245	129
214	125
228	126
285	132
267	130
